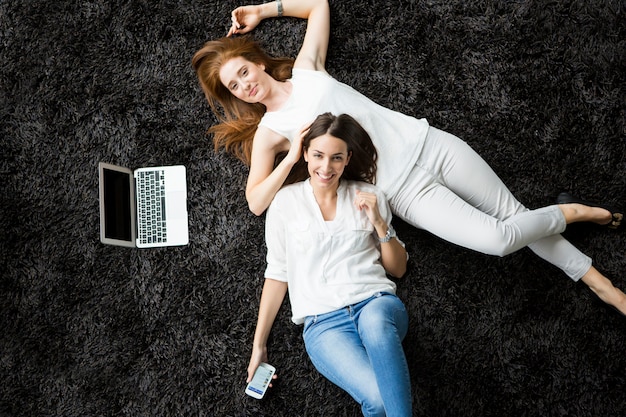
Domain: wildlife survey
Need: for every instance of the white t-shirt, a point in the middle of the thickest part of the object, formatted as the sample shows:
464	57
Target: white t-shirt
327	265
398	138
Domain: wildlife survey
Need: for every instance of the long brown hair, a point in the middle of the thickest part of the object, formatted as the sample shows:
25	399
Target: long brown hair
362	166
238	120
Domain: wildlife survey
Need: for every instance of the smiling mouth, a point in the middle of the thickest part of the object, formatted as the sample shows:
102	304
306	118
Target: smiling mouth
252	92
325	177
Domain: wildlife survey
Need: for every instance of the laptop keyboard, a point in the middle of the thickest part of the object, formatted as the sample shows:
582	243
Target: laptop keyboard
151	207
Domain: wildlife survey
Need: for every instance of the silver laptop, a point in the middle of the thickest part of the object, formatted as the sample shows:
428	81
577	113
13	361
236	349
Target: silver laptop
145	208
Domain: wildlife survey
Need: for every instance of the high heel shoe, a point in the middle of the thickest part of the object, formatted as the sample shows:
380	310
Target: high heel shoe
617	217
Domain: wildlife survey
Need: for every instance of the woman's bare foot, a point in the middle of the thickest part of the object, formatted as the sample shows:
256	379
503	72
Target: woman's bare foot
605	290
575	212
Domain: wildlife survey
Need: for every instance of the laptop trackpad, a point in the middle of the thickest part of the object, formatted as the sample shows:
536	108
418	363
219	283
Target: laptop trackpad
177	205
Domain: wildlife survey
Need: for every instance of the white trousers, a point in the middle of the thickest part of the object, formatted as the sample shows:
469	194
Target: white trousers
453	193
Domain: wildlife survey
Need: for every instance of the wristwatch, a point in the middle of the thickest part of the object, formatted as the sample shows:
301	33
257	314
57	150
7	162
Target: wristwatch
391	233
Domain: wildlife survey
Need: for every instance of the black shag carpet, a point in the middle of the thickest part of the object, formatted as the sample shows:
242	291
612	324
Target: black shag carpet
536	87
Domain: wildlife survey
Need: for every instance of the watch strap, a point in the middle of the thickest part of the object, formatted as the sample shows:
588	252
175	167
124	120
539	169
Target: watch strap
391	233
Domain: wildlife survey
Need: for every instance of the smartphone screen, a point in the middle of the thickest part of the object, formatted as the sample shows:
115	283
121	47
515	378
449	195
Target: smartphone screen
260	381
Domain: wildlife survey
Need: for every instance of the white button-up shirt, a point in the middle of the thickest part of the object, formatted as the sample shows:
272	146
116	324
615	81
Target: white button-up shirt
327	265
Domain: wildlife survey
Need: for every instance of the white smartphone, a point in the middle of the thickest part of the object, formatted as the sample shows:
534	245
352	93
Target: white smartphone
260	381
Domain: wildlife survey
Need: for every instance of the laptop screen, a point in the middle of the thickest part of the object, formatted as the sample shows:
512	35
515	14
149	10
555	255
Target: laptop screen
117	205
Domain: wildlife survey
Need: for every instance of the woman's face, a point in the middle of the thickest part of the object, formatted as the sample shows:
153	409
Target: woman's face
326	157
244	79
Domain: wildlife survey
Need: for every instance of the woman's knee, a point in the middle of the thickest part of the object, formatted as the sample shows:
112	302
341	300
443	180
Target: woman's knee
384	315
497	242
373	407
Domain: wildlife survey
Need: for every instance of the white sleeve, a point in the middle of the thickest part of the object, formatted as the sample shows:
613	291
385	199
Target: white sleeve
383	206
275	242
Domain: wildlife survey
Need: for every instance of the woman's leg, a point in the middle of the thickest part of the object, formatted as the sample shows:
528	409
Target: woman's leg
454	194
335	347
605	290
336	351
382	324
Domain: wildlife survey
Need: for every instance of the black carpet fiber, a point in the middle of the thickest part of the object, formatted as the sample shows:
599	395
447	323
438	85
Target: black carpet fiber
536	87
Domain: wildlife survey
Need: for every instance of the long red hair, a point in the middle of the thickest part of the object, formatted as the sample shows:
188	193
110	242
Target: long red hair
238	120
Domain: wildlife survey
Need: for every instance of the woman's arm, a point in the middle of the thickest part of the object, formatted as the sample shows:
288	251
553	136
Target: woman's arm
312	53
392	253
264	180
271	299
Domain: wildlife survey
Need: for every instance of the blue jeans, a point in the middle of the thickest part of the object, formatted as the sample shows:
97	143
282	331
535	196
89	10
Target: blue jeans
359	348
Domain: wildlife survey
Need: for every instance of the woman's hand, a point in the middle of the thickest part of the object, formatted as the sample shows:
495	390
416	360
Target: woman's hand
295	150
393	255
245	18
369	203
258	356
